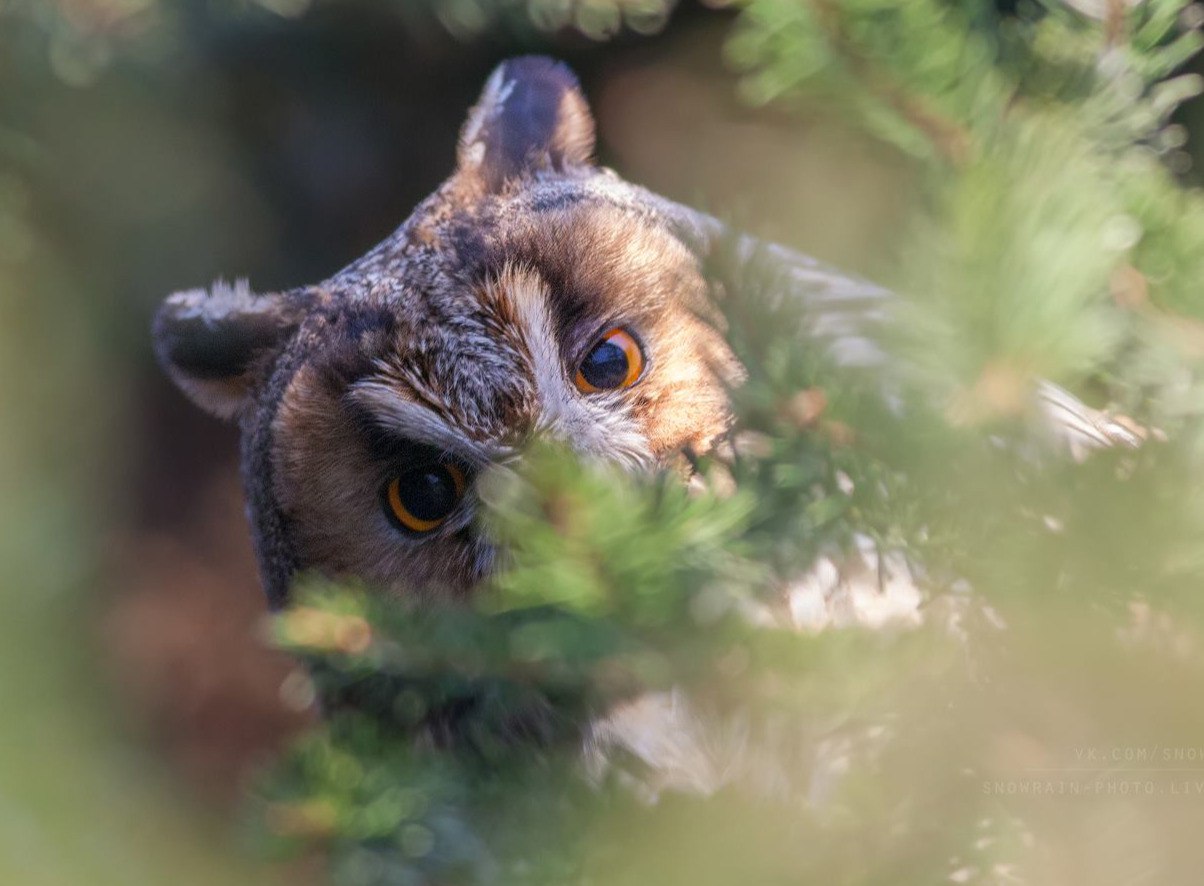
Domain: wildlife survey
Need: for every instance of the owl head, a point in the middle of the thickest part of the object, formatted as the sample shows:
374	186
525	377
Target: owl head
533	294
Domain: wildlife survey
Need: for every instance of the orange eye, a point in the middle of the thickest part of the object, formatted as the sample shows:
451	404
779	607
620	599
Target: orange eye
421	499
613	363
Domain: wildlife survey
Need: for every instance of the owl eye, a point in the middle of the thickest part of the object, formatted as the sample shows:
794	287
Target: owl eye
614	362
421	499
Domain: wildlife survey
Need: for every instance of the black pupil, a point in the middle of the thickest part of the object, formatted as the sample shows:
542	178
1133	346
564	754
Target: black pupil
605	366
428	493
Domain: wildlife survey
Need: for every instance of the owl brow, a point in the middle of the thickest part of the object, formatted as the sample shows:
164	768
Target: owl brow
410	420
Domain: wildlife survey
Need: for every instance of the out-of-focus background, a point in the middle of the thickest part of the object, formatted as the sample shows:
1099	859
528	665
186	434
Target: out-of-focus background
147	147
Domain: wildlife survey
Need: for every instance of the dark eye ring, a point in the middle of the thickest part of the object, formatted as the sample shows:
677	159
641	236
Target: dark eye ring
615	362
421	499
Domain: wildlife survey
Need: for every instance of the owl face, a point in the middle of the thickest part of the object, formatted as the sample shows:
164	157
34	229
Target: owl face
533	295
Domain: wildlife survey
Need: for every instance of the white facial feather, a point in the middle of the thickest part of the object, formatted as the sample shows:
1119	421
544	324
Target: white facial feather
414	421
594	425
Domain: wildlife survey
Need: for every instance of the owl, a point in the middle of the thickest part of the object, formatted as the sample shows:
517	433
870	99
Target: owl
533	294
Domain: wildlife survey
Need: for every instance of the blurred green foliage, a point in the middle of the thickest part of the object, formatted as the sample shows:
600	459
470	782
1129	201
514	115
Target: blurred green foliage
1046	133
77	803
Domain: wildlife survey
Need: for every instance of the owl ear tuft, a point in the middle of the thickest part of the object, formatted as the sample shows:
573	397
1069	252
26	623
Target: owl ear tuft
531	116
210	341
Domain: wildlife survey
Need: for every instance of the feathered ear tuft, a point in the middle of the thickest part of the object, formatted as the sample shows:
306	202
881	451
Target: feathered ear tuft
531	116
210	341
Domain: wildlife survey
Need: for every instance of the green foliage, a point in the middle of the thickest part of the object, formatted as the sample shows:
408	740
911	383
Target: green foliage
1046	138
